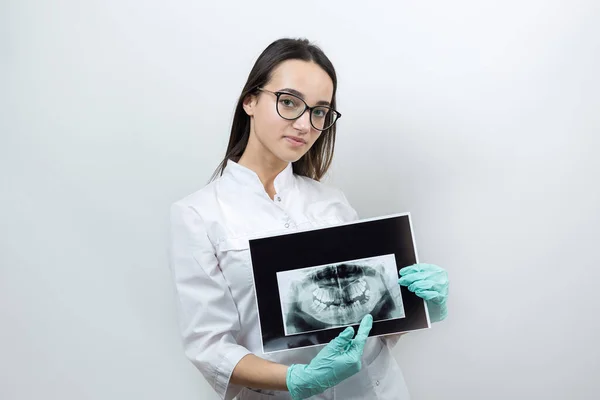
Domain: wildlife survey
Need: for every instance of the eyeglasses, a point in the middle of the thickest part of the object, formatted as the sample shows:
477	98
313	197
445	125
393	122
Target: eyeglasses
292	107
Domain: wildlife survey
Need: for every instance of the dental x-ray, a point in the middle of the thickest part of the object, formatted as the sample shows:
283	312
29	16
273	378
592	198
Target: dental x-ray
310	285
340	294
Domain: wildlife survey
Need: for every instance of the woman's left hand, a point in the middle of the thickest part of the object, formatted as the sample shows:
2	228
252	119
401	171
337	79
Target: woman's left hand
430	283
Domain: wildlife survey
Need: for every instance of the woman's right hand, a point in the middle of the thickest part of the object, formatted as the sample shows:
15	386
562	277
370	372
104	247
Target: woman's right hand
339	360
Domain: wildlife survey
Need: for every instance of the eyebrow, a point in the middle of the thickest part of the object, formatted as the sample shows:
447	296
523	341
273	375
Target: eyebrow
301	95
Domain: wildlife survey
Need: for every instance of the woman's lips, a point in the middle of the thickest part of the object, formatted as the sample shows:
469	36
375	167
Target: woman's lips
295	142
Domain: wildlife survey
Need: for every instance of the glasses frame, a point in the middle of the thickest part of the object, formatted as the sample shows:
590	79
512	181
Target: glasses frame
306	107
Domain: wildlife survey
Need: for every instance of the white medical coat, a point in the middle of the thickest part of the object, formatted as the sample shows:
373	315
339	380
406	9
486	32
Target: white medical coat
210	263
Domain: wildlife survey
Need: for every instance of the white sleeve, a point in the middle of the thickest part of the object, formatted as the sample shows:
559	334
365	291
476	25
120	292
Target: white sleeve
349	213
208	317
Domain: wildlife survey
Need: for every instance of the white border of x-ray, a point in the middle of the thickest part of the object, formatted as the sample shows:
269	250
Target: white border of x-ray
318	228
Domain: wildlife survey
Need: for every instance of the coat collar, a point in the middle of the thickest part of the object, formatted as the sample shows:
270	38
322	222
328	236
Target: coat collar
245	176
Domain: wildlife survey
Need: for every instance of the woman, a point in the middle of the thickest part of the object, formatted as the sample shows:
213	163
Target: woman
281	144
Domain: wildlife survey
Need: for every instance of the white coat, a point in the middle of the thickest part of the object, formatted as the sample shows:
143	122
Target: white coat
210	263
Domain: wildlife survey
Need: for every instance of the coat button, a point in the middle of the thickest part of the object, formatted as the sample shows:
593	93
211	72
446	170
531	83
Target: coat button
377	383
278	198
287	225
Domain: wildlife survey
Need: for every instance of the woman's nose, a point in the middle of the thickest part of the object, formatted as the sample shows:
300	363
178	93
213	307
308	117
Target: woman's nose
302	123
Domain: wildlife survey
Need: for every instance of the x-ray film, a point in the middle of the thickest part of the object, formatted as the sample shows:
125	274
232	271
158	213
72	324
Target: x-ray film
312	284
339	294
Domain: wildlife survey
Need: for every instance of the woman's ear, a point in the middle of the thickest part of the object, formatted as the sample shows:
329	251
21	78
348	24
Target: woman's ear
249	104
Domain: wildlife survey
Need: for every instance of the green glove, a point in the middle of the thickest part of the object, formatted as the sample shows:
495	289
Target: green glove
339	360
430	283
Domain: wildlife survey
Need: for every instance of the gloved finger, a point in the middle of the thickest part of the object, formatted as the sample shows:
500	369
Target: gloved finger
405	281
418	267
418	276
409	279
346	334
363	330
422	285
428	295
441	298
422	267
342	340
430	267
410	269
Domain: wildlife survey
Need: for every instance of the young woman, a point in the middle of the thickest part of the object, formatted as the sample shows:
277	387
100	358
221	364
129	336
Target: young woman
281	144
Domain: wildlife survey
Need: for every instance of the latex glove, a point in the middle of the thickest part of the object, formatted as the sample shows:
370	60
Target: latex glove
430	283
339	360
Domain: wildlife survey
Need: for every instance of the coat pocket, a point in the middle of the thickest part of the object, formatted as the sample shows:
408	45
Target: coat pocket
234	260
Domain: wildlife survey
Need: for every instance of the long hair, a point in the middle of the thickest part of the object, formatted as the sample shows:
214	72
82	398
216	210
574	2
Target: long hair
315	163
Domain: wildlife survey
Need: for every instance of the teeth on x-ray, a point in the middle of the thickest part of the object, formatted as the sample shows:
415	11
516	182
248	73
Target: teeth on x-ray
351	297
341	294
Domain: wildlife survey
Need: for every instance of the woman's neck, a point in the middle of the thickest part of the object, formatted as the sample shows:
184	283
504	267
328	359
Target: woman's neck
267	168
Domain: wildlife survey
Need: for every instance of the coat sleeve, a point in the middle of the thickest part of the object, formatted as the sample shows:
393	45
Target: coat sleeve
208	317
349	214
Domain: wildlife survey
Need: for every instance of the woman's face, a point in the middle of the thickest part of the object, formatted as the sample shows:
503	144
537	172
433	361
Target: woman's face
270	134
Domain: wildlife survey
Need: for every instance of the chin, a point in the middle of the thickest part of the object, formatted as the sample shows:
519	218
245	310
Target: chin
291	156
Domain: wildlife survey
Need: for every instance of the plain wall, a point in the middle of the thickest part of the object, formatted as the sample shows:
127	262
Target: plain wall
481	118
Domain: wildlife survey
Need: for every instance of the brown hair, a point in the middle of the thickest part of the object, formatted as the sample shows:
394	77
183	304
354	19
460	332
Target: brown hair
315	163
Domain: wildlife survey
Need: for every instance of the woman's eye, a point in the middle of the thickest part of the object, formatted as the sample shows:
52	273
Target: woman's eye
319	113
288	103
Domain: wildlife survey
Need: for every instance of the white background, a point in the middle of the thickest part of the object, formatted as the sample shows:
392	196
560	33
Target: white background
481	118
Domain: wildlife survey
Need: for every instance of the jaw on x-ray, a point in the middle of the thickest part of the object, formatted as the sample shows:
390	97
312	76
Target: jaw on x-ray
342	294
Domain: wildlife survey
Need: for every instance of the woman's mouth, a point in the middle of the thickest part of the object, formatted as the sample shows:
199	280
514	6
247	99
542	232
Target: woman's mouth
294	141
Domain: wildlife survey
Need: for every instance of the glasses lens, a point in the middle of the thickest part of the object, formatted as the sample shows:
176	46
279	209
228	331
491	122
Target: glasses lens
323	118
289	106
